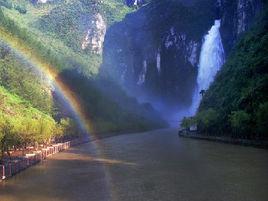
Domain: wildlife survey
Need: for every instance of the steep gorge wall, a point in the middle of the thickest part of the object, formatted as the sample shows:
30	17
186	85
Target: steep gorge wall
237	17
154	52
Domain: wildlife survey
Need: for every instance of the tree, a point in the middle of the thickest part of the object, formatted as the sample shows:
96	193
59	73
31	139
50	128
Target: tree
25	129
188	122
68	127
8	137
240	121
207	120
262	120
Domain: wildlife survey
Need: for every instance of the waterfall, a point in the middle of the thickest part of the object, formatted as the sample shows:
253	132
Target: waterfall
210	62
158	61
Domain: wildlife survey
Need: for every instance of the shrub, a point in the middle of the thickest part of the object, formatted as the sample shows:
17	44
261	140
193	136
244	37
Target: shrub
207	119
262	120
188	122
6	4
22	10
240	121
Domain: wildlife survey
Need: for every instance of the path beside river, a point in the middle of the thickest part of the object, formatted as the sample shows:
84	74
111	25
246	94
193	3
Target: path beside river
151	166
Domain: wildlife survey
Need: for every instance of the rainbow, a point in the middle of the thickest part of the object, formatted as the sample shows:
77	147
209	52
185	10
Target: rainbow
73	102
65	92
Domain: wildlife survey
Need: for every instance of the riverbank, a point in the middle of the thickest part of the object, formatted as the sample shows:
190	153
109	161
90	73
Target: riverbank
155	165
13	166
20	163
228	140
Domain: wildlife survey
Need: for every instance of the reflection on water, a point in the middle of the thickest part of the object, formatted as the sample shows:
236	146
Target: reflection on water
88	157
145	167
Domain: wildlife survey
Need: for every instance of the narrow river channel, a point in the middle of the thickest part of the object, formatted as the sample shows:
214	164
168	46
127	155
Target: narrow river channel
151	166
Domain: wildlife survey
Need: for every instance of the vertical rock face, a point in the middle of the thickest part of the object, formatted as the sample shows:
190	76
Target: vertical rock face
154	52
158	61
135	2
179	58
94	37
142	75
237	17
41	1
192	52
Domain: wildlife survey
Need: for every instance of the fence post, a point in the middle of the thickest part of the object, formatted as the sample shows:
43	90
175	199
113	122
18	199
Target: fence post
10	170
3	176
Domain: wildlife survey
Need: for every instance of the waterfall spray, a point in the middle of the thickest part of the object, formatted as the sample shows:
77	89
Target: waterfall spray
211	60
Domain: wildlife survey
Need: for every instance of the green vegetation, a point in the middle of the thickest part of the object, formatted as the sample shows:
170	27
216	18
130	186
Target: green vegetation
206	121
240	122
26	103
262	119
6	4
108	107
236	104
56	30
50	33
188	122
22	79
22	125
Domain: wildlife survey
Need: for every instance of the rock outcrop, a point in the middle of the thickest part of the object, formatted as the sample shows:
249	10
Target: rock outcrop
95	34
154	52
237	17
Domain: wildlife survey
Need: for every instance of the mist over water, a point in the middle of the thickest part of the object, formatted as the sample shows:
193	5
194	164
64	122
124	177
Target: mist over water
211	60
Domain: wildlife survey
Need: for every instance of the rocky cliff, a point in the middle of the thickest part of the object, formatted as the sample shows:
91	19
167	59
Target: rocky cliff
236	104
66	37
154	52
237	17
94	37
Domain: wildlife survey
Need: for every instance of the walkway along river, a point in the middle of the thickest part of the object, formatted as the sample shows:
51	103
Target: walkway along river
151	166
15	165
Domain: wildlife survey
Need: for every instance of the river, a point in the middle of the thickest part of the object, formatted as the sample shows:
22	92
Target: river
150	166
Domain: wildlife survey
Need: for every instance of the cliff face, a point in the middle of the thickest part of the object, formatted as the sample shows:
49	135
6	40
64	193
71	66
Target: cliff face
237	17
82	26
154	52
236	104
94	37
67	37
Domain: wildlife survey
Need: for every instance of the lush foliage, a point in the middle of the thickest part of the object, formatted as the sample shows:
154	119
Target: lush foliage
108	107
188	122
240	122
56	29
35	32
206	121
262	119
69	22
25	81
22	125
239	94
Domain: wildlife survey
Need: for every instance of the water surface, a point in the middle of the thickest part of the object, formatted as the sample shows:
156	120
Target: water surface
152	166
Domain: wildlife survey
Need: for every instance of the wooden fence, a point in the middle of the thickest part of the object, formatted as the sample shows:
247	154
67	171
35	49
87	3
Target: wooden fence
15	166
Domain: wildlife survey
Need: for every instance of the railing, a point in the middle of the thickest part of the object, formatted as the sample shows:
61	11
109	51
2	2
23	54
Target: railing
15	166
